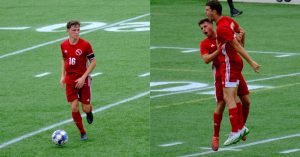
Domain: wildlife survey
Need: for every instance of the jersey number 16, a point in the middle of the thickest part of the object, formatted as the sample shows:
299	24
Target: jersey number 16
72	61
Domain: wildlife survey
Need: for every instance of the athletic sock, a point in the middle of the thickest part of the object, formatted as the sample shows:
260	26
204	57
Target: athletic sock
245	113
240	115
230	3
233	116
78	121
217	124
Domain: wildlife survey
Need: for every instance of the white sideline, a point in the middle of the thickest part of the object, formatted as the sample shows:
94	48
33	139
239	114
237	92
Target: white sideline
145	74
209	87
243	145
70	120
61	39
95	74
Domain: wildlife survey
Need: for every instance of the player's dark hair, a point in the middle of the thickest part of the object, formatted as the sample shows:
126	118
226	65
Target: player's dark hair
203	21
72	23
215	5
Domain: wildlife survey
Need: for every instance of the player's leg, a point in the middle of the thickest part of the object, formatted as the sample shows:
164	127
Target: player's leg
72	96
77	117
85	98
233	11
218	113
243	93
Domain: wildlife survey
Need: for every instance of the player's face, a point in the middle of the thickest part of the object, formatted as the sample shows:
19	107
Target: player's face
207	29
208	12
74	31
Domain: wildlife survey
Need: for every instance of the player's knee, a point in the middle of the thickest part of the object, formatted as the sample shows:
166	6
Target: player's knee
86	108
246	102
75	109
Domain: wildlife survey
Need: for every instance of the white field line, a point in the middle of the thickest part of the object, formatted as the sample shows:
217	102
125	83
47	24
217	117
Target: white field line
289	151
13	28
42	74
170	144
189	50
18	139
243	145
209	148
61	39
209	87
144	75
95	74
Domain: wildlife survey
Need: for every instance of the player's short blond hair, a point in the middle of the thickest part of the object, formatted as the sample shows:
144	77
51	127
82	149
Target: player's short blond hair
72	23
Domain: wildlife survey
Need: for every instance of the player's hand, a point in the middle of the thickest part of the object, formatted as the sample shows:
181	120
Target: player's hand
62	82
255	66
80	82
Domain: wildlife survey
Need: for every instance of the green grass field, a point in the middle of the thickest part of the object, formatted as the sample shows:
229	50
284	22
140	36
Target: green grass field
30	103
180	111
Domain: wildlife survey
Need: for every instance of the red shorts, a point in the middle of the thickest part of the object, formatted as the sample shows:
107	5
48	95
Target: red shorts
83	94
242	88
231	73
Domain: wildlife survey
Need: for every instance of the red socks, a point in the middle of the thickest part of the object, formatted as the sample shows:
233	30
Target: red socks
234	119
78	121
245	113
217	124
240	115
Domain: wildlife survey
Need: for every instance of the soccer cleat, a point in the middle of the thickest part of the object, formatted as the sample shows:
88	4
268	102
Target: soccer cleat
244	132
234	137
215	143
83	137
235	12
89	117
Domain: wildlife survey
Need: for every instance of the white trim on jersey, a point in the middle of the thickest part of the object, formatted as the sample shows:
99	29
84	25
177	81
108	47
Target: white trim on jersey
227	62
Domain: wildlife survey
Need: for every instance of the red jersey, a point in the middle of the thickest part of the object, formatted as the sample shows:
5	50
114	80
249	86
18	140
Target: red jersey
75	57
226	29
208	46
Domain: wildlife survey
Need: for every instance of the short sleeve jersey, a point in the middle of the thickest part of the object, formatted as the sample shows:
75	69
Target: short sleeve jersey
208	46
226	29
76	57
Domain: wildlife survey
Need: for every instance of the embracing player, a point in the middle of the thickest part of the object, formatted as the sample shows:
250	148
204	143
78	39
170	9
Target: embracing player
231	65
75	74
209	53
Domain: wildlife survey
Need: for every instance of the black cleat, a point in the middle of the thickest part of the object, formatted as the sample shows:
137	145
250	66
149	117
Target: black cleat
89	117
235	12
83	137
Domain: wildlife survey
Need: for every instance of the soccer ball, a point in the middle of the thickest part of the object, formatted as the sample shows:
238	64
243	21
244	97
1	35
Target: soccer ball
60	137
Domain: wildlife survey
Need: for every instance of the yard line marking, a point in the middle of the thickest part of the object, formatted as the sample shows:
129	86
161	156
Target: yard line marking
289	151
144	75
13	28
42	74
230	149
244	145
64	38
95	74
103	108
189	50
170	144
199	89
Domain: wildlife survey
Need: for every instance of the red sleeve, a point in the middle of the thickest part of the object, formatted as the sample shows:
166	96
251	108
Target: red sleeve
62	51
236	27
203	48
89	52
226	33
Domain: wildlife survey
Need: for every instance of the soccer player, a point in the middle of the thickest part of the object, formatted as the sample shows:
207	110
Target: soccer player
209	53
231	66
75	74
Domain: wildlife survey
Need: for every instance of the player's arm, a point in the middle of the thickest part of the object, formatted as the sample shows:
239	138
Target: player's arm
91	67
238	47
207	58
63	74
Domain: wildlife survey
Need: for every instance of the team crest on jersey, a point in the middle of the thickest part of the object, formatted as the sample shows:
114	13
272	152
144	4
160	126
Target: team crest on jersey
78	52
66	51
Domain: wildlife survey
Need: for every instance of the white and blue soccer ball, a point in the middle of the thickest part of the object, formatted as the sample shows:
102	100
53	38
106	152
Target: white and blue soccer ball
60	137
